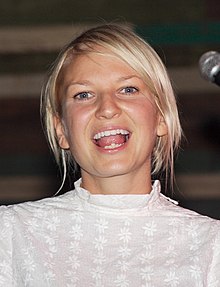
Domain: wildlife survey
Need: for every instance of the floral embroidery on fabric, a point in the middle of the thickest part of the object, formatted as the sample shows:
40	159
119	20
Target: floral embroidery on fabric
82	240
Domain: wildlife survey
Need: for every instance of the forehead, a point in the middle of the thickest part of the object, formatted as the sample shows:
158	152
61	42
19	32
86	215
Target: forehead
88	65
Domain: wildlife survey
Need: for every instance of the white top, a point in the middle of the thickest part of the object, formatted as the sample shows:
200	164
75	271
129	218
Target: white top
79	239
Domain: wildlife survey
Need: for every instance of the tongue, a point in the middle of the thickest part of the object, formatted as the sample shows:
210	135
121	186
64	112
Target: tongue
106	141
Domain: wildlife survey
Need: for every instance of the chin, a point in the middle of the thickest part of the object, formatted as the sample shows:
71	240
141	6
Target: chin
113	171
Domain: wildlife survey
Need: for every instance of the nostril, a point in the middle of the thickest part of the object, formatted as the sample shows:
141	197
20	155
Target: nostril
108	108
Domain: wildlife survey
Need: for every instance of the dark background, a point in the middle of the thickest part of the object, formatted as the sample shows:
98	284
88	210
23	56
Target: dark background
31	34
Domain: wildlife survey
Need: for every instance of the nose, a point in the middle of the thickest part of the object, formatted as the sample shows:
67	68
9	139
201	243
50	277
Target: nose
108	107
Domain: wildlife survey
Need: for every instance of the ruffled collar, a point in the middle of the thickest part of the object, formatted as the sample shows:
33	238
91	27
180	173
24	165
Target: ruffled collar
127	201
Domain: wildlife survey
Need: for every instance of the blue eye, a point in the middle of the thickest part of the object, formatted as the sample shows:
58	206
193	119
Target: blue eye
129	90
83	96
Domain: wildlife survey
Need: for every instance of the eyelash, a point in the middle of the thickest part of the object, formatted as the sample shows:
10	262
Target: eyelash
134	90
79	98
84	96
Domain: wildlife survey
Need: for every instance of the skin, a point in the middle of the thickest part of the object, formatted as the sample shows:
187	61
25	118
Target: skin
101	92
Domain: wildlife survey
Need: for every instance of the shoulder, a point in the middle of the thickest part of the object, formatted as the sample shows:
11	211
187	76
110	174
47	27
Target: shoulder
16	221
172	209
195	228
9	214
165	206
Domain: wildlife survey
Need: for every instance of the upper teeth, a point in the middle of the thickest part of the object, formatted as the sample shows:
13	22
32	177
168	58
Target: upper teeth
110	133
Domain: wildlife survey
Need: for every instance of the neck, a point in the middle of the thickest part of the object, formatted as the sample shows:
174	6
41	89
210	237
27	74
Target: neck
120	184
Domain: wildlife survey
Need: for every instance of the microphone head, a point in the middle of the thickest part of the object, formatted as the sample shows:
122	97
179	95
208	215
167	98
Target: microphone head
209	65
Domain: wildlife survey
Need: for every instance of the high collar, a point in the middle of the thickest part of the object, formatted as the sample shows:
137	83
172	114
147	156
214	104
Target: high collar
118	201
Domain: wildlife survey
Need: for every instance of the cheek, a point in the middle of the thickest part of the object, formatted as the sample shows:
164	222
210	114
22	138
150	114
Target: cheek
146	115
76	120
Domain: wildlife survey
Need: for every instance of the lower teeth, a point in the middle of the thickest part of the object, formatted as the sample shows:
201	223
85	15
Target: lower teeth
112	146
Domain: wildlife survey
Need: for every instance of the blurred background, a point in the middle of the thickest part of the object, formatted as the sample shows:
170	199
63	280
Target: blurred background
31	35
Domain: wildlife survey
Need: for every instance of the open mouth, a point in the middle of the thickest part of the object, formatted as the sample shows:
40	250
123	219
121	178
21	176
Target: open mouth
111	139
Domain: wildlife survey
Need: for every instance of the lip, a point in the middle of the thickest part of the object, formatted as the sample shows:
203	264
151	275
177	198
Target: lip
112	150
108	129
105	129
113	132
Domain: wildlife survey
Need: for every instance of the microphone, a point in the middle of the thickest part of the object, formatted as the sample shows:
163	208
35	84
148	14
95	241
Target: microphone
209	64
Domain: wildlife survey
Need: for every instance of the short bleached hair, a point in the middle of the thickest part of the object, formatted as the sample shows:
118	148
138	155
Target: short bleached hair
139	55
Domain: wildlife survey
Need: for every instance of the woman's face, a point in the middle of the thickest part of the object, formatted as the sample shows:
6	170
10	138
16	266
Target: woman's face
110	122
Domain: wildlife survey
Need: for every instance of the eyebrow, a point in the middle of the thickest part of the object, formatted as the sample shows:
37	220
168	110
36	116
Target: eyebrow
87	83
81	83
128	78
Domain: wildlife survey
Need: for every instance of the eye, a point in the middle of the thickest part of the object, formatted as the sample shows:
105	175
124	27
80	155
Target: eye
129	90
83	96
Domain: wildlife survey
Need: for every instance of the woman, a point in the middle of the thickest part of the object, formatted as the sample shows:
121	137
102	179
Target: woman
109	108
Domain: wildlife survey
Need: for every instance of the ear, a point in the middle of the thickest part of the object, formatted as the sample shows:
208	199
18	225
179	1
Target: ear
59	128
162	129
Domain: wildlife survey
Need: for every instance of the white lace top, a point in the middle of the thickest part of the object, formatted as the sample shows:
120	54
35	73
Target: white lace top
79	239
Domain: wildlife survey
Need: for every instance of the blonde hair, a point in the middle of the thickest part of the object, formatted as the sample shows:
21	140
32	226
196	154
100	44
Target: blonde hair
125	44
